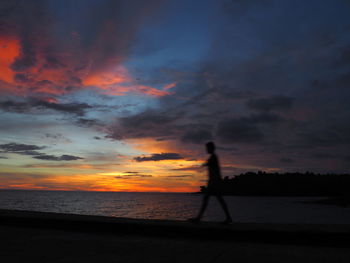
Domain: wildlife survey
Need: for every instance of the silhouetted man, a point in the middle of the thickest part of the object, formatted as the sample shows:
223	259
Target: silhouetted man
214	185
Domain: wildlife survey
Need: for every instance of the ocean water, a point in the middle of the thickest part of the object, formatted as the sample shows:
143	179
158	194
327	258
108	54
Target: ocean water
176	206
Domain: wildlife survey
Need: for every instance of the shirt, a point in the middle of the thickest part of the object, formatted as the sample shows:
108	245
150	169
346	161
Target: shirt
213	169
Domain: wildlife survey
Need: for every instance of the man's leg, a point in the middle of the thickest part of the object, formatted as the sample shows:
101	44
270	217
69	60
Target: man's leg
203	206
224	207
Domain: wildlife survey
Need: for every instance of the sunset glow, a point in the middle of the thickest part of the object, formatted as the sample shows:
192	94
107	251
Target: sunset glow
113	96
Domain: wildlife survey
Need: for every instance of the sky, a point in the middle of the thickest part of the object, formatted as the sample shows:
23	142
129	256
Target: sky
120	95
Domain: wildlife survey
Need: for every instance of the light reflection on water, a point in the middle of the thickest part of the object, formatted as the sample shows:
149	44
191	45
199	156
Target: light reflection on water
175	206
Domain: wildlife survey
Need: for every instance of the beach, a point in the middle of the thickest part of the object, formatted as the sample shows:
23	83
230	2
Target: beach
54	237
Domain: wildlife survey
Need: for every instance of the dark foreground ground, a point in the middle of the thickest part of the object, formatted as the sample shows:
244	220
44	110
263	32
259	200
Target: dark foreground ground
46	237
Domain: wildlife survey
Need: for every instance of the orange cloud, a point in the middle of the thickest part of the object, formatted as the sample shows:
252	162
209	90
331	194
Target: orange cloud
150	145
106	79
119	82
169	86
57	76
9	50
45	56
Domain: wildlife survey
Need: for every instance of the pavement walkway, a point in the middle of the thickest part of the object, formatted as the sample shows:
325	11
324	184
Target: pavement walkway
50	237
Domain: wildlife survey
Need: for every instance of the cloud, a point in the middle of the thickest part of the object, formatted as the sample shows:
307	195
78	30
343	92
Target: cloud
265	101
85	122
34	104
45	48
148	118
22	78
27	58
20	148
150	123
73	108
53	63
238	130
130	175
196	136
239	7
342	57
333	156
278	102
286	160
257	85
265	117
29	149
64	157
159	157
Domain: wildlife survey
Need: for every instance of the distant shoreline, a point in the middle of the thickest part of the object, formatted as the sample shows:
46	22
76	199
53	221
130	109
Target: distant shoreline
285	184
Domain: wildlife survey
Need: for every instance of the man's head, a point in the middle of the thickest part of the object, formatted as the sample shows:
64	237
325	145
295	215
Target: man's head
210	147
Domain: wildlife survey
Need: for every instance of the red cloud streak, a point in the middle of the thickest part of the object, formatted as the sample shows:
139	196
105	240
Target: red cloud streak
41	56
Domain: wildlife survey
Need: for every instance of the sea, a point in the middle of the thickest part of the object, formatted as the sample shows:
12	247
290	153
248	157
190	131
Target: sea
176	206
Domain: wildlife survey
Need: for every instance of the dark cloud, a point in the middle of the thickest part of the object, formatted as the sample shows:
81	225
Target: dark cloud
28	21
27	59
241	130
279	103
322	138
28	106
87	122
264	100
75	80
269	118
31	150
239	7
148	118
129	175
159	157
43	83
342	57
14	106
53	63
149	123
74	108
331	156
22	78
64	157
323	155
18	148
343	80
286	160
22	149
196	136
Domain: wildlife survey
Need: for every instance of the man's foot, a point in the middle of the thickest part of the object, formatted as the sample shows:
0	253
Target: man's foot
194	220
228	221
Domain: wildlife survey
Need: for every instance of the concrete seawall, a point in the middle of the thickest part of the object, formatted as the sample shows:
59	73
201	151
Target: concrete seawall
295	234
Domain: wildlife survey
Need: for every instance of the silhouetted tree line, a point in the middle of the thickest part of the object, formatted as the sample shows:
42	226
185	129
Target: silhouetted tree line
286	184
